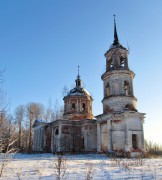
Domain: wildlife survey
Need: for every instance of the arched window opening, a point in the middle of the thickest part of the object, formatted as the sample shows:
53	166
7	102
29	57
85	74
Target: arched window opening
56	132
83	106
107	89
78	83
134	141
109	64
122	62
130	107
73	106
126	88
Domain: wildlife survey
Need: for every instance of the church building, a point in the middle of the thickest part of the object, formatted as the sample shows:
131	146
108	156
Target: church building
118	128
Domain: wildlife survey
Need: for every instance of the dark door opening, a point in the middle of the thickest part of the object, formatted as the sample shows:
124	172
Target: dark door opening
134	141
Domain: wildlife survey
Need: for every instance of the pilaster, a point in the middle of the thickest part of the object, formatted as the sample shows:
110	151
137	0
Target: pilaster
52	139
109	134
59	138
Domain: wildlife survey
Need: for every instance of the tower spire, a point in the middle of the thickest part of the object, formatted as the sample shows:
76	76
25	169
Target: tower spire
78	80
78	73
116	41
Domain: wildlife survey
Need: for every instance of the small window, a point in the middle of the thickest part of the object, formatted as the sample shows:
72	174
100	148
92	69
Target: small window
73	106
134	141
83	106
56	132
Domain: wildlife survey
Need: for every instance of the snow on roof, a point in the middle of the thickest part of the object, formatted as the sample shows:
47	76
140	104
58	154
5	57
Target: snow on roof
41	120
78	92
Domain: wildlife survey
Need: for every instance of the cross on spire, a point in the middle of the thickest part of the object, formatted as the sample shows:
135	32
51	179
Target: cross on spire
78	80
114	18
78	73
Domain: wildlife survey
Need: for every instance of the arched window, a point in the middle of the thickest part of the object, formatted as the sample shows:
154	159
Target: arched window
126	88
83	106
107	90
73	106
56	131
130	107
109	64
122	62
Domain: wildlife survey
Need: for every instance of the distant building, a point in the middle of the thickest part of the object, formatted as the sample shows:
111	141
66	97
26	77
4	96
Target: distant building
118	129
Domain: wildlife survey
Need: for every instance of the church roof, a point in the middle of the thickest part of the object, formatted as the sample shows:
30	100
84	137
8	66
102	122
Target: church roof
39	121
78	91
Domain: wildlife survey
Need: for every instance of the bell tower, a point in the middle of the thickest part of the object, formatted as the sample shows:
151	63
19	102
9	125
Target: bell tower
118	79
120	127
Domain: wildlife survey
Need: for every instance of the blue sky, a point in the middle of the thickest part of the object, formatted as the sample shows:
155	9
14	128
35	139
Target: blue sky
43	41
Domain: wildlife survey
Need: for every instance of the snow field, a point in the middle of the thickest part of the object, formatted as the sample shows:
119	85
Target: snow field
100	167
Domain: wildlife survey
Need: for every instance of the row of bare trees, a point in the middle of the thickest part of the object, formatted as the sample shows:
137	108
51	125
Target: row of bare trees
16	128
19	124
24	117
153	148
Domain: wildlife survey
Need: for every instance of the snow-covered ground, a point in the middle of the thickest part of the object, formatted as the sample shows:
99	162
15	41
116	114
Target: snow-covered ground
42	166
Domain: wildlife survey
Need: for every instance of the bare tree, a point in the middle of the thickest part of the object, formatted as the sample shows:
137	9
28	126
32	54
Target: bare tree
3	104
19	117
58	110
65	91
7	140
49	114
153	148
33	111
3	121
